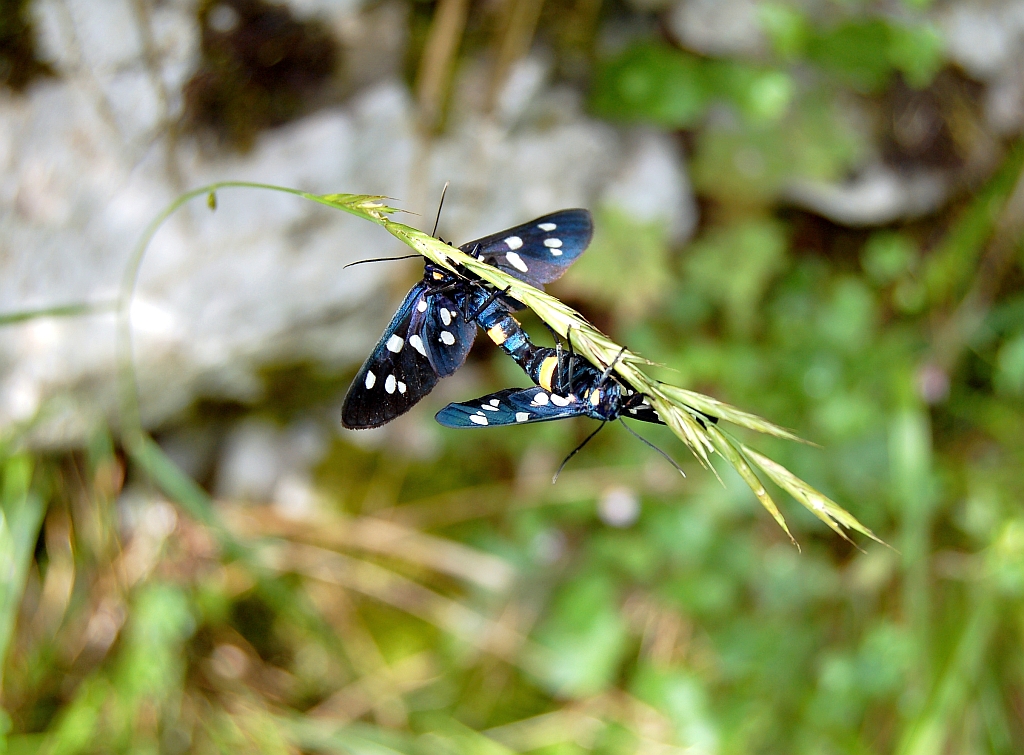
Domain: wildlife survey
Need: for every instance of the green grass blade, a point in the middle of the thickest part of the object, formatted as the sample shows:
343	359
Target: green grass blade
732	454
715	408
61	310
930	731
823	507
21	515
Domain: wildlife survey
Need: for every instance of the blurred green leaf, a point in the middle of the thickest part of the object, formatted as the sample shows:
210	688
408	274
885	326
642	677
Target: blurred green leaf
626	266
1006	558
684	700
1010	366
586	637
856	52
951	264
916	51
80	719
787	28
654	83
848	319
749	162
150	662
733	266
864	53
884	659
761	96
887	255
659	84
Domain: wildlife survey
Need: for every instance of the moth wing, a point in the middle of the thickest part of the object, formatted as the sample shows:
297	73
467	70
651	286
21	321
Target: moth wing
643	412
445	334
396	374
512	406
540	251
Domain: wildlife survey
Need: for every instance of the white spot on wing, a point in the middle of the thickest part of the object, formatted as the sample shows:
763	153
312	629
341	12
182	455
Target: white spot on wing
395	343
494	402
516	261
556	252
553	243
478	419
514	242
447	338
401	387
446	316
489	408
540	399
523	416
390	383
370	380
560	400
547	226
417	343
422	306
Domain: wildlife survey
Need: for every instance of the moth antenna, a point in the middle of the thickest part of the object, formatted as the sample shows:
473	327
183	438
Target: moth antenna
439	206
380	259
576	451
646	442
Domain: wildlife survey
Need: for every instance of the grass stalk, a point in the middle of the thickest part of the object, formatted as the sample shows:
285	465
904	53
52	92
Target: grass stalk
681	409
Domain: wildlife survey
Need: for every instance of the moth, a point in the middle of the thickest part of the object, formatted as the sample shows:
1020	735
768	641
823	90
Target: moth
434	328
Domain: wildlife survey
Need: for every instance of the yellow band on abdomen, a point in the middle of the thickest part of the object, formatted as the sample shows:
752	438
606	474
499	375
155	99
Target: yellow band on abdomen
497	334
547	369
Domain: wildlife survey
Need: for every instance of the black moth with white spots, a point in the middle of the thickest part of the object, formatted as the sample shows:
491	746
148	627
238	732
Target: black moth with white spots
589	393
434	328
566	387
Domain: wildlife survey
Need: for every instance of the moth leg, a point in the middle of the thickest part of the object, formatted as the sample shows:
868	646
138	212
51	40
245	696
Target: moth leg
572	358
488	302
608	370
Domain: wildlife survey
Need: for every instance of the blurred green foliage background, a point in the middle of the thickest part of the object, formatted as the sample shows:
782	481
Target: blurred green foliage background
461	604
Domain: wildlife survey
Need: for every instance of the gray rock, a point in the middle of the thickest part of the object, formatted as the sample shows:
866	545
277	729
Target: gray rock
718	27
262	462
985	37
652	184
878	195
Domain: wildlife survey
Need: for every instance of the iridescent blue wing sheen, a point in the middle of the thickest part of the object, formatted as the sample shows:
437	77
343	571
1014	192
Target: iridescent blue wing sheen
537	252
446	335
512	406
398	372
